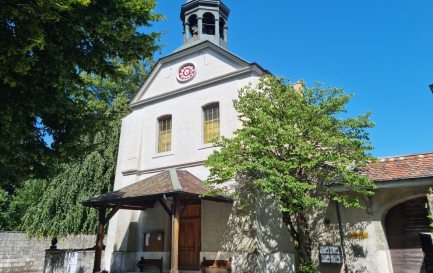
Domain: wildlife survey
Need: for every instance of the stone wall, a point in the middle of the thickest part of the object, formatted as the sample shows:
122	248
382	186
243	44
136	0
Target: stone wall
67	261
21	254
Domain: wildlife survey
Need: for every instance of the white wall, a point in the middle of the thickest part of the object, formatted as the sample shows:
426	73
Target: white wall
369	255
138	157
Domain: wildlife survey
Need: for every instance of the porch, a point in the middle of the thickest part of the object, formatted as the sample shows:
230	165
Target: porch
172	198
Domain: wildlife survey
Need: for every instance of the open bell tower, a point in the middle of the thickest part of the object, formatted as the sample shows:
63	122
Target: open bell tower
205	20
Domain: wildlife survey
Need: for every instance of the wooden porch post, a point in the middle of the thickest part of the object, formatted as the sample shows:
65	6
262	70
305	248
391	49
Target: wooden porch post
99	240
175	236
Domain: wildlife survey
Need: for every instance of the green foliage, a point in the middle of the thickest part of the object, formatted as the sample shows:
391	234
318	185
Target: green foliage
55	208
294	146
59	211
429	210
46	49
308	268
108	99
4	205
25	197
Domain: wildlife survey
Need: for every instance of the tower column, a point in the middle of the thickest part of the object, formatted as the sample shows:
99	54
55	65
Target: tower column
226	31
217	29
200	26
186	32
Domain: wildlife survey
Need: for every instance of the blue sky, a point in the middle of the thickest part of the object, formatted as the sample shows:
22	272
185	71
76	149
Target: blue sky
382	51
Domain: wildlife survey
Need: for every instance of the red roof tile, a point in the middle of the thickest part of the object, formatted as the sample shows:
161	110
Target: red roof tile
400	168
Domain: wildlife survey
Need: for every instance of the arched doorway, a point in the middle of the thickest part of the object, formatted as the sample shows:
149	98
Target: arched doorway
403	223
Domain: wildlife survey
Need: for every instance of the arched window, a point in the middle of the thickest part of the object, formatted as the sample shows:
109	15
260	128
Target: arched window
193	25
164	134
222	25
211	122
208	24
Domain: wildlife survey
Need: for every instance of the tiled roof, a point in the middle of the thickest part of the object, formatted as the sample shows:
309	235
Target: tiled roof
401	167
149	190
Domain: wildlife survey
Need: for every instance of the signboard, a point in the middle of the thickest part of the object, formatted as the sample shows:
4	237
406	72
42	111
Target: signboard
153	242
358	235
330	254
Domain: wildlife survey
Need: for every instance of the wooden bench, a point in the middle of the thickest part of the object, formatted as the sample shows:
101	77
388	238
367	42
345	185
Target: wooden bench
216	266
149	262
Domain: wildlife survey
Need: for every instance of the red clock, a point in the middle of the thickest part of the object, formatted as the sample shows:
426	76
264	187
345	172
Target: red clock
186	72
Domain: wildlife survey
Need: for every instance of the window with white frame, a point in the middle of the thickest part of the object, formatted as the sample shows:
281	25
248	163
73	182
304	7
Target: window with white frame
164	134
211	122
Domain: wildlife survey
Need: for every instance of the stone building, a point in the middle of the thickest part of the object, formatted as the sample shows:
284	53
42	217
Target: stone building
187	102
384	237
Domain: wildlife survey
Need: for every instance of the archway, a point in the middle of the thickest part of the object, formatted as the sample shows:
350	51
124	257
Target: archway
193	25
403	223
208	24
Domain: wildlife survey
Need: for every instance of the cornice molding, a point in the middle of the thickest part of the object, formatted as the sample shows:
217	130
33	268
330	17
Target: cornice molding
161	169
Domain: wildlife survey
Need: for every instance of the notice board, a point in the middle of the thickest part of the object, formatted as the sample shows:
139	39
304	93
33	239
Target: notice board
153	242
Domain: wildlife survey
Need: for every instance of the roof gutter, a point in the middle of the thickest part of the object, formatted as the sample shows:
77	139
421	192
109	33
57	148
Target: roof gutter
394	184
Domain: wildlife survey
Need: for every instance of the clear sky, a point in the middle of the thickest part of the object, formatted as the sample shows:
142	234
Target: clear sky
379	50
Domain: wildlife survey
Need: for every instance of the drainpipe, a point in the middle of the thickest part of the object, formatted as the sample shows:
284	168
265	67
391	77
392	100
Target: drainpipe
340	227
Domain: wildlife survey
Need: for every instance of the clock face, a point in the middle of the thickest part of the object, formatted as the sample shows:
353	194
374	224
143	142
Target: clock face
186	72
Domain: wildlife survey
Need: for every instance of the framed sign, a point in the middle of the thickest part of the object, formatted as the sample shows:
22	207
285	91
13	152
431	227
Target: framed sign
330	254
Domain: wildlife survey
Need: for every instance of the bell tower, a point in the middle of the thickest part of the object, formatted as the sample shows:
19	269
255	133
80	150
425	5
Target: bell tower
205	20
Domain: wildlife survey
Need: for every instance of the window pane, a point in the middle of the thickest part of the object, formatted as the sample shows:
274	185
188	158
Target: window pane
164	135
211	124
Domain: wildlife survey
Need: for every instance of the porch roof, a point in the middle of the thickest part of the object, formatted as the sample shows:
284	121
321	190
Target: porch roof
145	193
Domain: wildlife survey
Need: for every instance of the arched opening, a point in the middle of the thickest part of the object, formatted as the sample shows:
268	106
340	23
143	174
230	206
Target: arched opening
222	25
208	24
193	25
403	223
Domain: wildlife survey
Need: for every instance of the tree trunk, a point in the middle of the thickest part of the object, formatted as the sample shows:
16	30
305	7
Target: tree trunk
304	239
298	227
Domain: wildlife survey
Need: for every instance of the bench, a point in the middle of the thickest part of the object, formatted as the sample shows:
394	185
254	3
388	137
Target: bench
149	262
216	266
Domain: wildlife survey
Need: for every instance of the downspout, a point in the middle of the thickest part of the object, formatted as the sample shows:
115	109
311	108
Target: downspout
340	227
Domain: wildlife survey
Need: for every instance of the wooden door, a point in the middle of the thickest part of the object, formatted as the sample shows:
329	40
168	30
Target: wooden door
403	223
190	237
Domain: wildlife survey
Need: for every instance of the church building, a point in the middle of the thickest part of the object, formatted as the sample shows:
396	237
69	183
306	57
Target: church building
159	219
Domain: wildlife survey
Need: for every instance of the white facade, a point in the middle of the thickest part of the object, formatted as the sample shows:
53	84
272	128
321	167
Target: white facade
219	76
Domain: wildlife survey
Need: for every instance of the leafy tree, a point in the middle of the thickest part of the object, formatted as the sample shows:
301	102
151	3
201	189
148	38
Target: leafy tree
4	204
55	208
17	205
45	48
59	211
293	146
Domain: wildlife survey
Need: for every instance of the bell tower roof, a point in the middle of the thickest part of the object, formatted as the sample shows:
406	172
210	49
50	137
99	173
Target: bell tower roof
204	20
